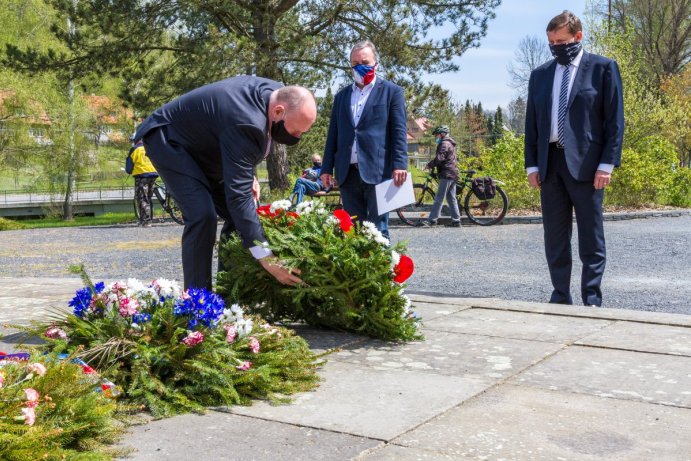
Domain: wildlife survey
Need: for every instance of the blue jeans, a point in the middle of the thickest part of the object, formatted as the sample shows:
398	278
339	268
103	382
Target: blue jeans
447	189
305	186
360	199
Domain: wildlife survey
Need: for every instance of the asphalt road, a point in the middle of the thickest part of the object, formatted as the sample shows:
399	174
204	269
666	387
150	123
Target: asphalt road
648	261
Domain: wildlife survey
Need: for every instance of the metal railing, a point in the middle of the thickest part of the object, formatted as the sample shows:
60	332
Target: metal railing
84	194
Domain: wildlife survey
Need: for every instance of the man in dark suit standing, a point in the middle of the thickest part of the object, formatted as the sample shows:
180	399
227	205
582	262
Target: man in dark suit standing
366	142
573	139
206	144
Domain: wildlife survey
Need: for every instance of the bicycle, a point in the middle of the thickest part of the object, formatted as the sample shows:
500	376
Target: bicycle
167	202
484	212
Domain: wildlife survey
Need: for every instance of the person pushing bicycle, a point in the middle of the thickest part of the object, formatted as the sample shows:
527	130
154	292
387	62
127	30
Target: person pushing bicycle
139	166
447	171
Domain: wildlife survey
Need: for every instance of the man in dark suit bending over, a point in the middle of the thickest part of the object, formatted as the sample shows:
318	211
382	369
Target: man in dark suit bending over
206	144
573	139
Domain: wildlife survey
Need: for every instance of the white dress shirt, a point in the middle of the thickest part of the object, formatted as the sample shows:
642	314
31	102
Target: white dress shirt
556	89
358	99
263	250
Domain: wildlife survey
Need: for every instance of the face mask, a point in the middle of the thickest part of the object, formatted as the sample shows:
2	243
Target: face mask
566	52
363	74
317	164
437	140
281	135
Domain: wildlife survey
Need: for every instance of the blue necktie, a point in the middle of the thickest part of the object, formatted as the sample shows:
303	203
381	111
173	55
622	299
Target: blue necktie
563	102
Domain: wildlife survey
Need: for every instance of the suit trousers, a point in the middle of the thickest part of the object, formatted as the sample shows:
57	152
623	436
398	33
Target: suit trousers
200	200
360	200
560	196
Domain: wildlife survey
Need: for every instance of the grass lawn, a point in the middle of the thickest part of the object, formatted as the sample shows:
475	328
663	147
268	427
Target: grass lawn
104	219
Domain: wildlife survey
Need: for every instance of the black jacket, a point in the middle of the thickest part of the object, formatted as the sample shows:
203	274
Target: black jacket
445	160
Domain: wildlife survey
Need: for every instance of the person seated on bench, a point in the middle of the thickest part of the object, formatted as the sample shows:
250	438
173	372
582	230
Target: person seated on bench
309	183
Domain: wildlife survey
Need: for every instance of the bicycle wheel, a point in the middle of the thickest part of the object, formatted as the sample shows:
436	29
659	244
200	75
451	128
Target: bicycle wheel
174	210
416	212
486	212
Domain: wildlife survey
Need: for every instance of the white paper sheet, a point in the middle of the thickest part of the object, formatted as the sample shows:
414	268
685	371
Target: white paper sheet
390	197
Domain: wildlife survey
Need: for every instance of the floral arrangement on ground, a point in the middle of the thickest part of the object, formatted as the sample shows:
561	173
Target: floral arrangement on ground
174	351
54	409
353	277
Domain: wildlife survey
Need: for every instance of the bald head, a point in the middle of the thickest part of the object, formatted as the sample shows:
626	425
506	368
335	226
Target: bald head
296	106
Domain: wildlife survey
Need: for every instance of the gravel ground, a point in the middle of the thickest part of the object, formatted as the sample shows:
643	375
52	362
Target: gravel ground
648	268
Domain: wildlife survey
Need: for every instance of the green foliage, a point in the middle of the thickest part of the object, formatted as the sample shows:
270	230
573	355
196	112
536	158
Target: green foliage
348	276
73	421
158	370
649	175
8	224
505	161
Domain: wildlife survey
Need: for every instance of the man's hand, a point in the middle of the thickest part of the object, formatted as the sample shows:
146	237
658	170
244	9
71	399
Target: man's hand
602	179
256	190
281	273
399	177
328	181
534	180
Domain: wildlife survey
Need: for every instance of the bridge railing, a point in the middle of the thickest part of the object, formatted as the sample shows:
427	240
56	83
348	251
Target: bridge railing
16	197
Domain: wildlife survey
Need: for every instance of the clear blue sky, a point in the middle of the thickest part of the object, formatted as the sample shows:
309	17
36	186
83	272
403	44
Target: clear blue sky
483	76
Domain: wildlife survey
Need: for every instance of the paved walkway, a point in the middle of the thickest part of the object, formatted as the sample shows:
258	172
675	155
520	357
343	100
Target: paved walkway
494	380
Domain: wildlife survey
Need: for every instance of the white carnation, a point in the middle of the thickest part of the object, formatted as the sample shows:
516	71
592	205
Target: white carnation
280	205
395	258
371	231
244	327
304	207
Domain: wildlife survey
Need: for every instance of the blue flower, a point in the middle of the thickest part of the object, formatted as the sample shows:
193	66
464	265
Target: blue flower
82	300
200	306
141	318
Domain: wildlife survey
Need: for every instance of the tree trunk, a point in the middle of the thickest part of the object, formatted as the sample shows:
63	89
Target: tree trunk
265	62
67	212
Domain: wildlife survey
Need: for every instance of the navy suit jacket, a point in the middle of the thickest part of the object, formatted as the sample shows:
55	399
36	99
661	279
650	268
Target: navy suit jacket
594	126
381	134
223	126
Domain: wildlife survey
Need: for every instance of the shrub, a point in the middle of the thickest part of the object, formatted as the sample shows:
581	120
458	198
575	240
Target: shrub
505	161
8	224
649	174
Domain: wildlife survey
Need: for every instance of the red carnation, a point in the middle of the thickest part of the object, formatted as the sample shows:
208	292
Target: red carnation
265	210
403	269
344	220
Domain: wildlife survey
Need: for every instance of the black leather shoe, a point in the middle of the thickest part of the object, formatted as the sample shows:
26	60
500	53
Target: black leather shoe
454	224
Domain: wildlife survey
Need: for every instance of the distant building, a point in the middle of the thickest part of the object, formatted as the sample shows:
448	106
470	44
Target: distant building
417	129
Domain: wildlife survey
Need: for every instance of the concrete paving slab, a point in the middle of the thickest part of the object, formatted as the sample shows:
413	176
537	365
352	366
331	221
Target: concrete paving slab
514	423
517	325
587	312
642	337
379	404
451	354
221	436
398	453
32	298
447	300
430	311
321	340
645	377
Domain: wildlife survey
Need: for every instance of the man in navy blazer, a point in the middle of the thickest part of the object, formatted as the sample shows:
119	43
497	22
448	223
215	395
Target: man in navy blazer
205	145
366	142
573	139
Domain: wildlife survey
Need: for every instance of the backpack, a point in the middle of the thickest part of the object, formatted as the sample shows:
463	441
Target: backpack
484	188
129	164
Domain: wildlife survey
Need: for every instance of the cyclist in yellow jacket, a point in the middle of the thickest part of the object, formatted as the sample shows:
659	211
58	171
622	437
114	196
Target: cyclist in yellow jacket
139	166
